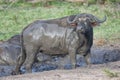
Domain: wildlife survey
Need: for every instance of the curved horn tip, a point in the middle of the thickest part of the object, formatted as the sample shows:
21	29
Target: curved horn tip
104	19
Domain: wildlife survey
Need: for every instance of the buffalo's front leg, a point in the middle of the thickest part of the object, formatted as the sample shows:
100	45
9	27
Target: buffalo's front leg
73	43
72	54
87	58
31	52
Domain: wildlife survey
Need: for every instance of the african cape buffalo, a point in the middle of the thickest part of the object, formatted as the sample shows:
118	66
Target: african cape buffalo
69	35
9	50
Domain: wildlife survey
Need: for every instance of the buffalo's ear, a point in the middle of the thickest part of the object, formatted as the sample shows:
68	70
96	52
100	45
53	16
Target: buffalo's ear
92	21
71	20
94	24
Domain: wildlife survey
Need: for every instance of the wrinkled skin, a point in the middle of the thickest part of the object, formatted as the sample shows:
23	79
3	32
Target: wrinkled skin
9	50
69	35
14	40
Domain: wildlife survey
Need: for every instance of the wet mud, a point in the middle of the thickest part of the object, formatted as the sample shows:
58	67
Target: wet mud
100	54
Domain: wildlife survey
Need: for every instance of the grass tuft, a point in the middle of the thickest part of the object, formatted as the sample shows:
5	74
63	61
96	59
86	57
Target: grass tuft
110	74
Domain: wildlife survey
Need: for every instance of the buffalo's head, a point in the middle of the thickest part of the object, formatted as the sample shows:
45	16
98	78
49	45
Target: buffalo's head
82	22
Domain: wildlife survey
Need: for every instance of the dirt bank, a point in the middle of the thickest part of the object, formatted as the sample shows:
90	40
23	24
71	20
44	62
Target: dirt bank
95	72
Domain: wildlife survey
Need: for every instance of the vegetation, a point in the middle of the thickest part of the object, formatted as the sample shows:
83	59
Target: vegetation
15	16
110	74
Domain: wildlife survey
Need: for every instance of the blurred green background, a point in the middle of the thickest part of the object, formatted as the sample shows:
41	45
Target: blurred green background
17	14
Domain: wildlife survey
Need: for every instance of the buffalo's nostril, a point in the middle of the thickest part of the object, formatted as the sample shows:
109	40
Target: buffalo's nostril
80	28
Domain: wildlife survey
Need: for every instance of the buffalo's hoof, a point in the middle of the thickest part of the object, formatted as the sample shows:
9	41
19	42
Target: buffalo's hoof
72	67
15	73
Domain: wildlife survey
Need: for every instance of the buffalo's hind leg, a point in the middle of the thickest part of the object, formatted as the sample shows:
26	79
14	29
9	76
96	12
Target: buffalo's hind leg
31	52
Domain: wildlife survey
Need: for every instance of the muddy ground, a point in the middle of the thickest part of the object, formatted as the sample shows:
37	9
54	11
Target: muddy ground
95	72
105	66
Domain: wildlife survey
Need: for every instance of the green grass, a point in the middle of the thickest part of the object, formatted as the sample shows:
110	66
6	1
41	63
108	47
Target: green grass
110	73
19	15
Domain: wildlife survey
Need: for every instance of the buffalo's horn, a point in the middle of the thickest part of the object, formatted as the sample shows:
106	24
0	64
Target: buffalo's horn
82	19
69	21
101	21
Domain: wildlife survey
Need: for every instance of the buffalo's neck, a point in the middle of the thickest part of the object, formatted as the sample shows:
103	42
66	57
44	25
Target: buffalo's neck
82	39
